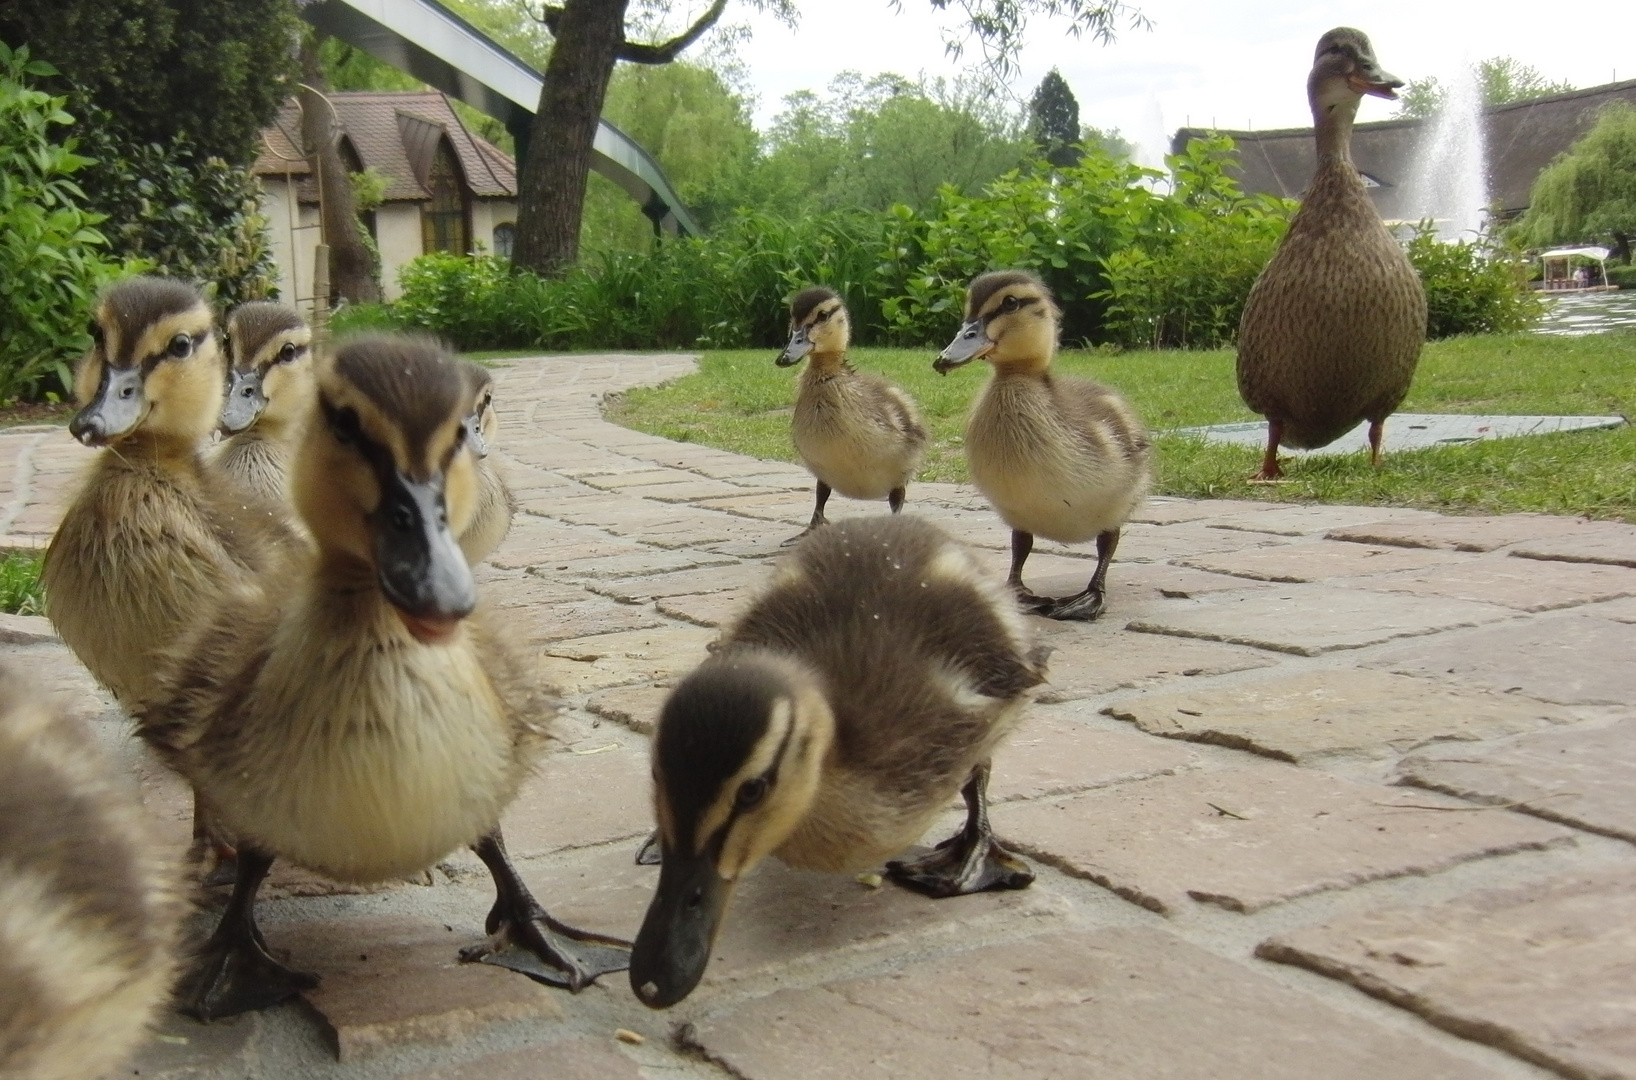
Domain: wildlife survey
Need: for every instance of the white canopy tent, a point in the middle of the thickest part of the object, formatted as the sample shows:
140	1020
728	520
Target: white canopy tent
1564	277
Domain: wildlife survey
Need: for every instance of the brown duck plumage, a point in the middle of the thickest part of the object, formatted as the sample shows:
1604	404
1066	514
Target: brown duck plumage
1333	328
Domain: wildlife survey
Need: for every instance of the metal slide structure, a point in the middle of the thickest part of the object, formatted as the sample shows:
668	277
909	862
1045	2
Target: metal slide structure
438	47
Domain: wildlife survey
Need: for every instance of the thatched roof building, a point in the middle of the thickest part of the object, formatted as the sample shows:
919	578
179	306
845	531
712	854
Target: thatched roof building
1522	138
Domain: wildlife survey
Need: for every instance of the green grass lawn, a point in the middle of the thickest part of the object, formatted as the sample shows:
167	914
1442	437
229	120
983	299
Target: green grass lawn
20	584
739	401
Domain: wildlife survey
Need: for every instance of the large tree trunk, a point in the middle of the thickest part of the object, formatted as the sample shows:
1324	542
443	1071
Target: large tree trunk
551	195
351	269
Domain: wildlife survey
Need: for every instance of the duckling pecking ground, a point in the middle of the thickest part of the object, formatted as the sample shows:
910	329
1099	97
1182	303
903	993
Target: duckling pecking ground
1330	790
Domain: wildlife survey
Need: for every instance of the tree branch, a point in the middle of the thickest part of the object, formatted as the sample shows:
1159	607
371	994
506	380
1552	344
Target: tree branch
550	17
665	52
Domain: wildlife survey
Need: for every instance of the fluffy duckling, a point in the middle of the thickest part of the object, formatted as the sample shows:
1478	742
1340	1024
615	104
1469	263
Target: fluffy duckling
88	911
857	433
152	538
832	725
1062	458
1332	331
496	506
364	721
269	390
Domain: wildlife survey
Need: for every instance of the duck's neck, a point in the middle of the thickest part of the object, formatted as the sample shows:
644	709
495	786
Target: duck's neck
160	450
1332	128
824	364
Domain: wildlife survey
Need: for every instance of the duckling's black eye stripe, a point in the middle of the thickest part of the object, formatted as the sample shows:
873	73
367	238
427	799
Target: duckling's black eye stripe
770	776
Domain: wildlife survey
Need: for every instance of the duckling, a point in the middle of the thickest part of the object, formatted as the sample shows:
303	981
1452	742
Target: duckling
365	721
856	433
872	680
1332	330
1063	458
88	909
496	506
152	537
270	388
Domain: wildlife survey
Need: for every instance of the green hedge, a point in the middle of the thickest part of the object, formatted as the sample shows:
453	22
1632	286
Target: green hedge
1134	262
1622	276
53	259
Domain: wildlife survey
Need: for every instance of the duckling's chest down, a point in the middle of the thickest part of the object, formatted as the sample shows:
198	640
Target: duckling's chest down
136	558
257	464
1044	472
858	435
366	755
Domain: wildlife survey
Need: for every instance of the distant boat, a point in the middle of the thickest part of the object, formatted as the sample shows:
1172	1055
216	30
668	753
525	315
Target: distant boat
1561	276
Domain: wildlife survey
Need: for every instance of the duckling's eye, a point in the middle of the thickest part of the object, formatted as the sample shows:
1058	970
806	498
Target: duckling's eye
750	793
1011	304
343	424
287	353
180	347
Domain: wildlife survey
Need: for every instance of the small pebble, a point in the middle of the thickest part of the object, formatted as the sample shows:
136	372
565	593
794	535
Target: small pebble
626	1035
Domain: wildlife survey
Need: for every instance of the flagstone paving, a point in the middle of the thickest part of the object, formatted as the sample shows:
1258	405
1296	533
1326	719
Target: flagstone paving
1432	879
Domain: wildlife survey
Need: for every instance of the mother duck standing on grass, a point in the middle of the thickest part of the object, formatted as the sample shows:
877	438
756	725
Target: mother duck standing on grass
1333	328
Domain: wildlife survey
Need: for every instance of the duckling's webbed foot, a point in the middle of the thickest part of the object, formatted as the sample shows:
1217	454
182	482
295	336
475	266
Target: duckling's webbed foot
1021	544
971	860
1088	605
234	972
649	854
524	938
818	520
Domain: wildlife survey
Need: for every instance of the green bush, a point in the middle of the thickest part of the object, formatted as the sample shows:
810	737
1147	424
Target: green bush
192	216
1472	287
363	319
1622	276
1130	265
52	257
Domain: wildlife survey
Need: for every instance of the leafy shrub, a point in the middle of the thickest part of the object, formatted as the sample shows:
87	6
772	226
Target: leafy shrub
1472	287
1186	287
20	592
1622	276
363	319
192	216
1130	264
52	258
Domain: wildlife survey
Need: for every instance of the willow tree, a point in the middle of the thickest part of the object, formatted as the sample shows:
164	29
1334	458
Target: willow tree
1588	193
592	38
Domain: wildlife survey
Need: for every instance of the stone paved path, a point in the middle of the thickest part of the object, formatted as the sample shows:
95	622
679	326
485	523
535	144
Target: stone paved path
1330	791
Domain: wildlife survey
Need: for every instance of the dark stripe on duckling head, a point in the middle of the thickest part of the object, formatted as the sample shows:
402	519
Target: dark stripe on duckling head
803	303
251	325
710	726
132	306
414	382
985	286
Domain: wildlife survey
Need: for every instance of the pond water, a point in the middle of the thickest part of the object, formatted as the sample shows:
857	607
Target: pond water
1589	313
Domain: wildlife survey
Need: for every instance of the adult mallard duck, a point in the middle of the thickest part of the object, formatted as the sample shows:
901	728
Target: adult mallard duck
1333	328
1062	458
89	908
835	721
857	433
365	721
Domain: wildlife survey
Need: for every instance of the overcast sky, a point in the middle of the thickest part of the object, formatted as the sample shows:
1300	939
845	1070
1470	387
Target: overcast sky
1234	63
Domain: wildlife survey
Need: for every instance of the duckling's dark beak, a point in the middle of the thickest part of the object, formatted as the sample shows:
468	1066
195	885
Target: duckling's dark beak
800	345
118	407
1368	78
244	402
970	343
474	435
680	929
420	567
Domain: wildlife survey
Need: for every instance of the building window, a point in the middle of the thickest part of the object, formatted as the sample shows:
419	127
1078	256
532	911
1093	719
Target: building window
443	221
505	238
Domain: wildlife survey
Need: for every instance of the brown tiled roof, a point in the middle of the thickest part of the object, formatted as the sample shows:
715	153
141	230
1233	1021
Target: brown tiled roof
1522	139
395	133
